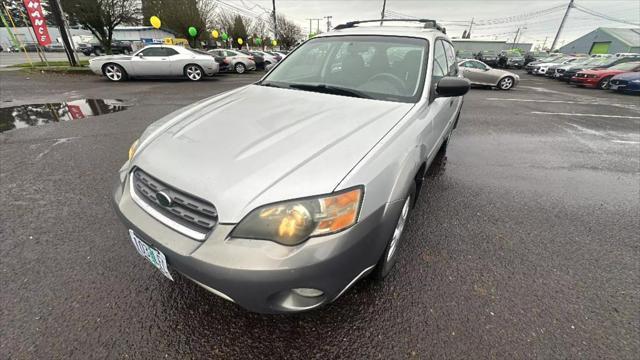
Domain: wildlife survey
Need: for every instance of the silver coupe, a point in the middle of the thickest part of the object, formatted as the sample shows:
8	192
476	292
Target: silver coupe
156	61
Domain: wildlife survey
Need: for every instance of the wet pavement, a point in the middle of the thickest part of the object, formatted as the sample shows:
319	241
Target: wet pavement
523	244
15	117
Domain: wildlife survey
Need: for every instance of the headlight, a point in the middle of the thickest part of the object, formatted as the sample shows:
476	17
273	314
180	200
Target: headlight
636	81
133	148
591	76
293	222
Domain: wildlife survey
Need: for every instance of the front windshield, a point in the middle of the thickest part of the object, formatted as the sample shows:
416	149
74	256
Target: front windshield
625	66
489	52
379	67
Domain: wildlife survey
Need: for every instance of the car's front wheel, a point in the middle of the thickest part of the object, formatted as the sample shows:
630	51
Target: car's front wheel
240	68
114	72
605	83
389	257
193	72
506	83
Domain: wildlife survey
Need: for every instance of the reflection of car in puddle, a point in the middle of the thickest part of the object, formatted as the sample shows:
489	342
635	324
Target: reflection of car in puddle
16	117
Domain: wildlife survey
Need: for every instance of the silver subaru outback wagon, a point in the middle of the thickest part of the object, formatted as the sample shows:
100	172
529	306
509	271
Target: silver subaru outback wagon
284	210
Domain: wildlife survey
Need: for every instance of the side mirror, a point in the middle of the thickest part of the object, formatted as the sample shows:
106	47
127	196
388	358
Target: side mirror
450	86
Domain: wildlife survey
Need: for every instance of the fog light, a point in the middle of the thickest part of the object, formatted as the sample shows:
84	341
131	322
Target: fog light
308	292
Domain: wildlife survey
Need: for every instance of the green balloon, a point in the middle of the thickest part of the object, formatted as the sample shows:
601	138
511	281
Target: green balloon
257	41
225	37
193	31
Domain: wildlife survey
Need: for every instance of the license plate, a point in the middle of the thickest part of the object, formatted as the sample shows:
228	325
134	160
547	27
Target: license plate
154	256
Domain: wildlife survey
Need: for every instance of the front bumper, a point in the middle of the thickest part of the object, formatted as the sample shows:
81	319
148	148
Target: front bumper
259	275
588	82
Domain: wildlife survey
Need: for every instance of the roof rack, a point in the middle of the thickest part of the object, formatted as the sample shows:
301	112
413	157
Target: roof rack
428	24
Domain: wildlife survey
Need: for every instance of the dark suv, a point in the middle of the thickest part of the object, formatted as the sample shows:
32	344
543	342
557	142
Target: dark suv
117	47
489	57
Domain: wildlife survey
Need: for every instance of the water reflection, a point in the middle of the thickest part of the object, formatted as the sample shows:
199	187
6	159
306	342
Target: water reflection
16	117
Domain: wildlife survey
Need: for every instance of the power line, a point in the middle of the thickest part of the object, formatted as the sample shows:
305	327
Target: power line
603	16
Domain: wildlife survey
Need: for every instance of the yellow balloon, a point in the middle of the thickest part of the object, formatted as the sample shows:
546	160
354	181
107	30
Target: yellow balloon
240	41
274	43
155	22
215	34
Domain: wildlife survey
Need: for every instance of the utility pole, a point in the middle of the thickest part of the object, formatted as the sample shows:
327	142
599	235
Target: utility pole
317	25
564	18
310	25
328	22
56	11
515	39
275	22
544	43
469	31
384	5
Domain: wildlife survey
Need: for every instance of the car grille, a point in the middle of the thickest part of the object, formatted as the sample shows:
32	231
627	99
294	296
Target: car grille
560	71
618	82
580	75
185	209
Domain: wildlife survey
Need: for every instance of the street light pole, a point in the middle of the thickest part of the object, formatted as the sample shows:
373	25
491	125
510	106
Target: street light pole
56	11
328	22
275	22
384	5
564	18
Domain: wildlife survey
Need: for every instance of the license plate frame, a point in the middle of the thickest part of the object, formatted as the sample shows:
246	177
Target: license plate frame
153	255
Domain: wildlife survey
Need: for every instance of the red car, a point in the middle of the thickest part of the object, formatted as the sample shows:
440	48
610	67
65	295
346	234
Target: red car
599	78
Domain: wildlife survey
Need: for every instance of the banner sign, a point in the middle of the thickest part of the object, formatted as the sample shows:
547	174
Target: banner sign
38	21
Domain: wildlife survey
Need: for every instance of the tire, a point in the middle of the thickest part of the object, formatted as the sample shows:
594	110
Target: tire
114	72
604	83
390	255
240	68
193	72
506	83
98	52
126	51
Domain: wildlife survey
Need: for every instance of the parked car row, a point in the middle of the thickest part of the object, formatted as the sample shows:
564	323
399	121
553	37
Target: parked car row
620	72
504	59
179	61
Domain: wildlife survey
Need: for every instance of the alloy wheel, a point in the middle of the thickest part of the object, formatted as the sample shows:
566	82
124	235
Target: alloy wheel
506	83
194	72
240	68
113	72
397	232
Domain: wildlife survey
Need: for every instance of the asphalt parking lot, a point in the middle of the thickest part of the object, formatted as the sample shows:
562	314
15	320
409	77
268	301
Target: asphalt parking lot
524	243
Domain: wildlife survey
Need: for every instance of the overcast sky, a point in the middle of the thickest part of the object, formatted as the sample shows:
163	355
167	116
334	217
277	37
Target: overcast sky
528	14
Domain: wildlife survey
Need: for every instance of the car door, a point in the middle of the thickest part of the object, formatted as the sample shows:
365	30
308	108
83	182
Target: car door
438	108
483	73
450	111
471	71
175	62
151	62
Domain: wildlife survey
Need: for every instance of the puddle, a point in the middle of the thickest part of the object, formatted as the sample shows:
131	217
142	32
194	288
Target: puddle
16	117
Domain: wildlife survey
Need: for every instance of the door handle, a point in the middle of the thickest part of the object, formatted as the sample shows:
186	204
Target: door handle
451	103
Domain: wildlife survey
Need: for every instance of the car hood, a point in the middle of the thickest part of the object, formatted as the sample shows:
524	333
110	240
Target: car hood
258	145
602	72
628	76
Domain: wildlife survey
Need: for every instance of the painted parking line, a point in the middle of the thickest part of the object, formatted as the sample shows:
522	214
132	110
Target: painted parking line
586	115
555	101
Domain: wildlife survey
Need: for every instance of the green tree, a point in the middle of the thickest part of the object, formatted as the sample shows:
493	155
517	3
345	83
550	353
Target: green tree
102	16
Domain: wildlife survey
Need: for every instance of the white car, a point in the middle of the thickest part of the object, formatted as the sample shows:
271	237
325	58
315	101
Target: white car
268	58
156	61
541	69
237	61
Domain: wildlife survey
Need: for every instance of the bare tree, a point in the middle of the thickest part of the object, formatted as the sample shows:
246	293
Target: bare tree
102	16
289	33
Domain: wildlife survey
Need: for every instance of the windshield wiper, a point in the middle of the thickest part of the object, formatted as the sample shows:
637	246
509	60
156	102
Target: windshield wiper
330	89
272	84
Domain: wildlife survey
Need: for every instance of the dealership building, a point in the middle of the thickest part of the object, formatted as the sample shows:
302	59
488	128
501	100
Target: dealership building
605	41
